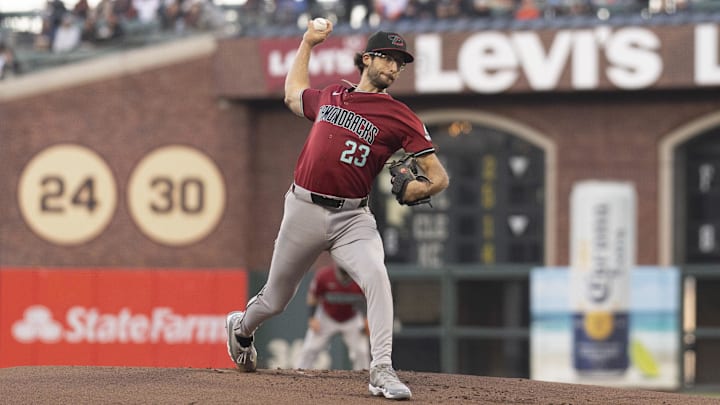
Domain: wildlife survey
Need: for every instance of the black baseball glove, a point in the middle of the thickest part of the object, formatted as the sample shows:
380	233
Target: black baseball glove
403	171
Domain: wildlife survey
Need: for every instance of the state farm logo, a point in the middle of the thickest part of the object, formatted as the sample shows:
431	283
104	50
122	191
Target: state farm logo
37	324
89	325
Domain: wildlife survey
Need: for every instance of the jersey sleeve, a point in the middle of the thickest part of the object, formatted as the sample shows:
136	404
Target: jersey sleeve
310	103
417	139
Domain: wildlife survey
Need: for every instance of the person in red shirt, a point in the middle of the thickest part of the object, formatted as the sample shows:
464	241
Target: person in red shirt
336	306
528	10
356	129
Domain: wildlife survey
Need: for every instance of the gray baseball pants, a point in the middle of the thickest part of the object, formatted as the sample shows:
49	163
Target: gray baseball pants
350	234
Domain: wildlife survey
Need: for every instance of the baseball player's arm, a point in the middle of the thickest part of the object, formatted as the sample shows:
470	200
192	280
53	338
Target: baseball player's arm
298	78
312	302
361	308
433	170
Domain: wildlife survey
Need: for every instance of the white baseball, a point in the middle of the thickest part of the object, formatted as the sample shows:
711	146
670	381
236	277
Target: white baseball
320	24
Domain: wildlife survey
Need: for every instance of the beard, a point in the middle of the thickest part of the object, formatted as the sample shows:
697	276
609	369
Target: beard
379	80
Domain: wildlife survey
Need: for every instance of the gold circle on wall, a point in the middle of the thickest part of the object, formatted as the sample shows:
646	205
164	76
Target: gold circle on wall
67	194
176	195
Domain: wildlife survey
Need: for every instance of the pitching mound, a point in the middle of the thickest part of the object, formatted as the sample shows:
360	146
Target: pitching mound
82	385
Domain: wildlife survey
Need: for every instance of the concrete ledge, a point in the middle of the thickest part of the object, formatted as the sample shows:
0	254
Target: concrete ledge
108	66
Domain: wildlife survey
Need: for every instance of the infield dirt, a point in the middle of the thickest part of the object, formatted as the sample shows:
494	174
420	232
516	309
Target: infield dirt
129	385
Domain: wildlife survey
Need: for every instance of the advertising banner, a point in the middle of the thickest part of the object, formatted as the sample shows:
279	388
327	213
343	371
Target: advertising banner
330	63
602	254
653	330
117	317
591	58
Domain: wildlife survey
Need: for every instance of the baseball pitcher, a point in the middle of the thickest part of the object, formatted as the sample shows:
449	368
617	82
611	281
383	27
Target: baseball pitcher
356	129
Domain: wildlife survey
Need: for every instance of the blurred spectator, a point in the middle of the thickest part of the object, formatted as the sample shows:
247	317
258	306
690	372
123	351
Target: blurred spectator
578	7
390	10
420	9
9	65
56	11
358	12
288	11
528	10
124	9
334	10
211	16
447	9
554	8
147	10
52	18
81	10
172	15
105	25
252	14
193	12
502	8
477	8
168	11
67	36
83	16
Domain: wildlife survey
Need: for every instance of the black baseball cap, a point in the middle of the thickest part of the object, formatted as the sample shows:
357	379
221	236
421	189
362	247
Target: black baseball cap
388	41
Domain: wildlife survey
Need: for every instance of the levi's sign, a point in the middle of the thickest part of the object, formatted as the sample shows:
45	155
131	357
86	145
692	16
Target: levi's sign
625	58
584	59
330	62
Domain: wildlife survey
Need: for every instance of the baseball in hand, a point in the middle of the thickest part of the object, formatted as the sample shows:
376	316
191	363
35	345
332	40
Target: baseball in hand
320	24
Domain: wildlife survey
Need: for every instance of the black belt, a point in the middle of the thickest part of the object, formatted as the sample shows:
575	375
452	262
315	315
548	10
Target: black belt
333	202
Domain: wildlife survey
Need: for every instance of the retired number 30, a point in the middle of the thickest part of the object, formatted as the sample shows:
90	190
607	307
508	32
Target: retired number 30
188	195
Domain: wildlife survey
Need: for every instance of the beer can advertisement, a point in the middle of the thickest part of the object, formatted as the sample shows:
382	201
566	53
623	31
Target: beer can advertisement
602	255
616	325
653	332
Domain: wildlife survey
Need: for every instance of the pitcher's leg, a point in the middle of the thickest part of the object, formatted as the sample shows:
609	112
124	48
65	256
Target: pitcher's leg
364	260
300	241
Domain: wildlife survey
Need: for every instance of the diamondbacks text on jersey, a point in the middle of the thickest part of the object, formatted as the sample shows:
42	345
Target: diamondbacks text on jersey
354	134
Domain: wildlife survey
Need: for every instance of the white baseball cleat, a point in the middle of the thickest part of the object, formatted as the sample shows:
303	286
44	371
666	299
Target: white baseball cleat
384	381
244	357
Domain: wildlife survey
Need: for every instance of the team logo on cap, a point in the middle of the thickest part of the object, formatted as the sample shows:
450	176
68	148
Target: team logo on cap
396	40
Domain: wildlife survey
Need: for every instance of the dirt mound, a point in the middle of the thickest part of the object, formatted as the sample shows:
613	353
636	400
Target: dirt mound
81	385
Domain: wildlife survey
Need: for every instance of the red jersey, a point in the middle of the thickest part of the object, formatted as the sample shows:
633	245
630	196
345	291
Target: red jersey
339	300
353	135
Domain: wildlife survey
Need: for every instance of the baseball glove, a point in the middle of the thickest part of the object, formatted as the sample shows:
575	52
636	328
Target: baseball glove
402	172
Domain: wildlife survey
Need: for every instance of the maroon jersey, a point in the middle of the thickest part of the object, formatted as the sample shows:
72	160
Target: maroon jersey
353	135
339	300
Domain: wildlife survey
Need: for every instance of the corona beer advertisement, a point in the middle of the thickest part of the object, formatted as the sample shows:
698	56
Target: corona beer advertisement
653	331
602	255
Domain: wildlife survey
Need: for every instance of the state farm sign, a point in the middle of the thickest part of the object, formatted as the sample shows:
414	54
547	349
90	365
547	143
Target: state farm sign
91	325
153	317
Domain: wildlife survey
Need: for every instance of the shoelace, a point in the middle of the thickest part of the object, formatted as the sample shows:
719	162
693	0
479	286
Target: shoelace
244	356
